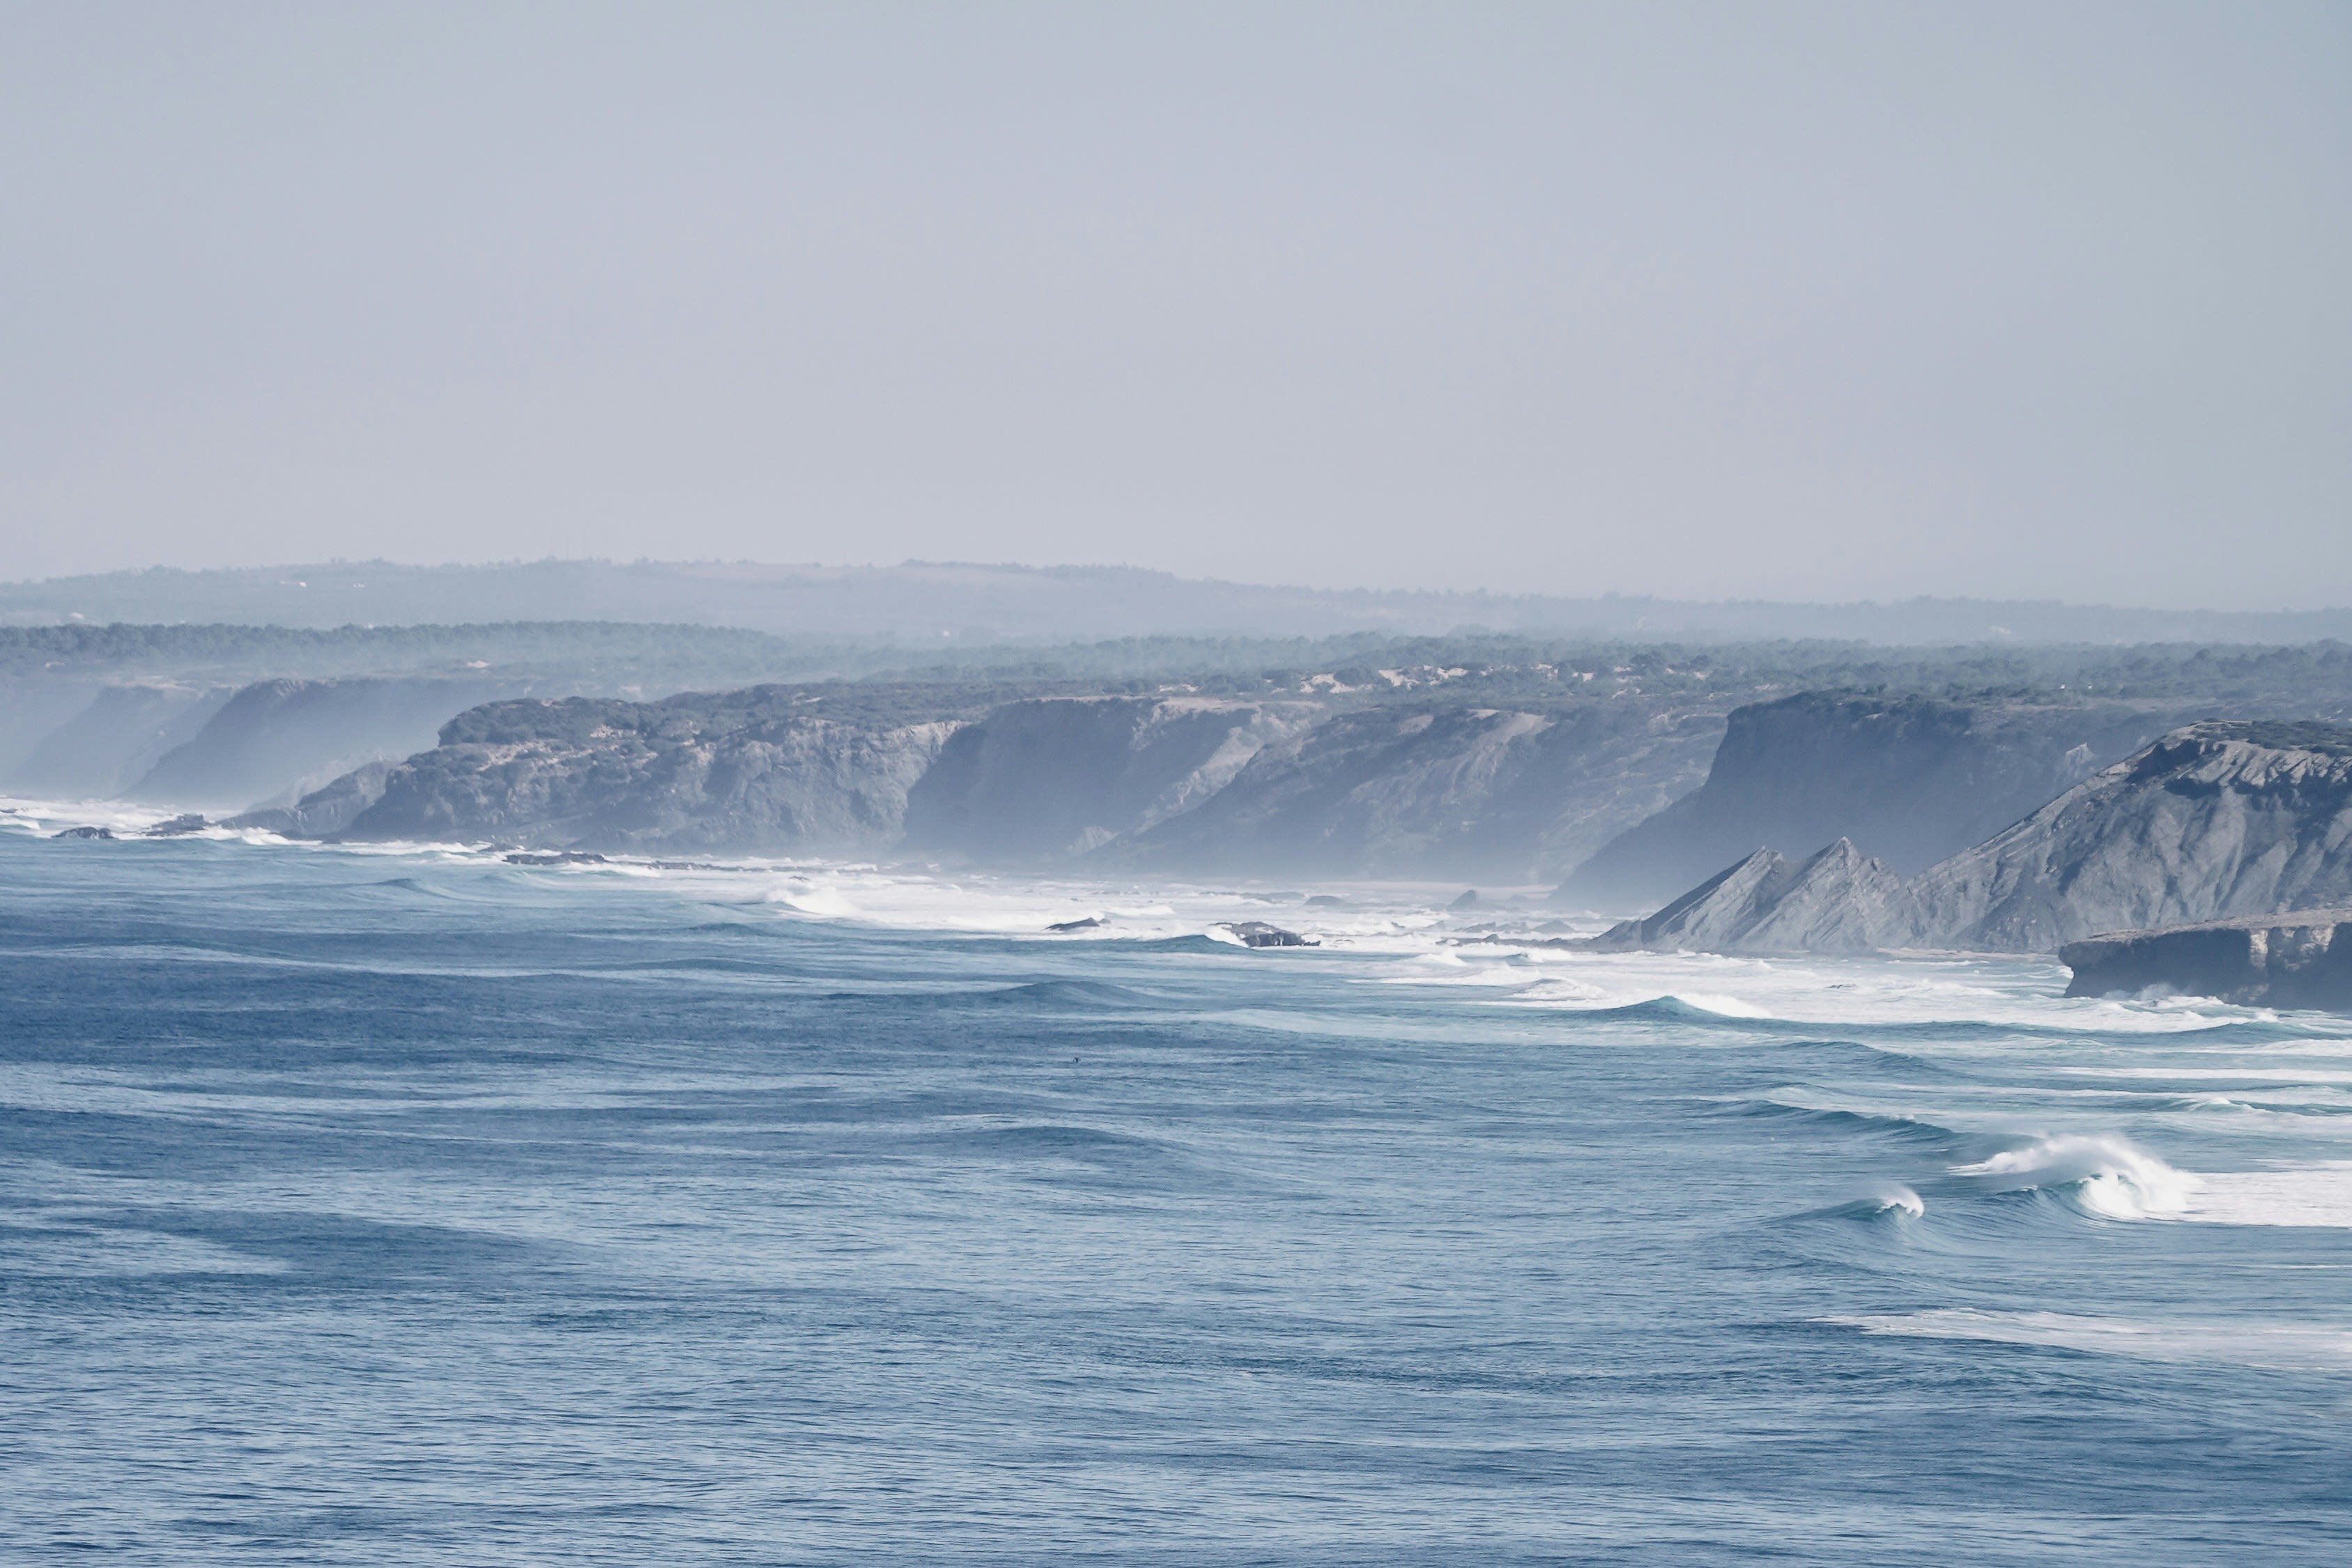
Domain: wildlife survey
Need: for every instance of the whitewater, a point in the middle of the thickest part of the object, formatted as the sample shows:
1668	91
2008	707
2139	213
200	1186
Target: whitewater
399	1204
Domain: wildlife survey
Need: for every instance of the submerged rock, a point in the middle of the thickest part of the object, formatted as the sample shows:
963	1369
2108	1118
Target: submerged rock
191	822
85	833
556	858
2298	960
1091	923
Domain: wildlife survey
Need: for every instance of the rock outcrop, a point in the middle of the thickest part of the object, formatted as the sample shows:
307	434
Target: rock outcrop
1910	780
2212	821
323	813
1836	901
2302	959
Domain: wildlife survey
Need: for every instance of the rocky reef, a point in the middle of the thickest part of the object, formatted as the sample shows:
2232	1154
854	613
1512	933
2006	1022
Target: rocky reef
2302	959
2214	821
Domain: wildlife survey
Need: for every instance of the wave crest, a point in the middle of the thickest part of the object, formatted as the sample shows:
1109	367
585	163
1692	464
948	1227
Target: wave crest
2107	1176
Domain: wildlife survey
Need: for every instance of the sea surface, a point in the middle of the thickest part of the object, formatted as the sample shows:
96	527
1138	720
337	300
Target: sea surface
407	1205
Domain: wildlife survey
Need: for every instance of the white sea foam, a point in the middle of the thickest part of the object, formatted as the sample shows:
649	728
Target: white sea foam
2320	1194
2264	1343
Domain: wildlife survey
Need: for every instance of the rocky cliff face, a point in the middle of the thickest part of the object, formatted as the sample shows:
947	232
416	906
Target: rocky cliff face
1467	792
1909	780
2214	821
2297	960
1063	776
767	768
1172	782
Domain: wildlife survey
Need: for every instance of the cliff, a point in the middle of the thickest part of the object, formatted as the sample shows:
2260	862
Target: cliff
2302	959
1511	794
282	739
117	733
772	768
2214	821
1910	780
1062	776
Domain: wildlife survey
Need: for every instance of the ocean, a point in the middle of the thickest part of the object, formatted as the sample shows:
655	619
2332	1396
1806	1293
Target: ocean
401	1205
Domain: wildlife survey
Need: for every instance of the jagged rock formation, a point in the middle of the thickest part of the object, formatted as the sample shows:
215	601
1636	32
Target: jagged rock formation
277	740
770	767
325	811
1910	780
1504	795
1838	900
1061	776
2302	959
2214	821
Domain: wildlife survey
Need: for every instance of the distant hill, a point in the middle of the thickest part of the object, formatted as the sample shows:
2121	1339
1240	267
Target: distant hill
948	602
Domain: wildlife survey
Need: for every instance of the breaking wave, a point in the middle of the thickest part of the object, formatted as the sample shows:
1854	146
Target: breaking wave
2102	1175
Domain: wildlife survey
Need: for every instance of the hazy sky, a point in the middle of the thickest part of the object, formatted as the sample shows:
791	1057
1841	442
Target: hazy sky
1774	300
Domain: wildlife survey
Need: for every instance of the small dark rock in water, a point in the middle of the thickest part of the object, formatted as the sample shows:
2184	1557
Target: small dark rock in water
1089	923
190	823
558	858
85	833
1257	933
1469	900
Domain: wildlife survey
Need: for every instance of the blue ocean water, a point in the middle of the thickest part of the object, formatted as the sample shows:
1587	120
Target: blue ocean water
420	1209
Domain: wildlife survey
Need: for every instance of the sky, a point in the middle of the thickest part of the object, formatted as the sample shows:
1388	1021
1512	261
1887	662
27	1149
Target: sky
1794	301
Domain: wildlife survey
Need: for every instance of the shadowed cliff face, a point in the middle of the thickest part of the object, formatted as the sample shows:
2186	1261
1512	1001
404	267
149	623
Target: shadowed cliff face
1062	776
2214	821
116	737
282	738
1908	780
1466	792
